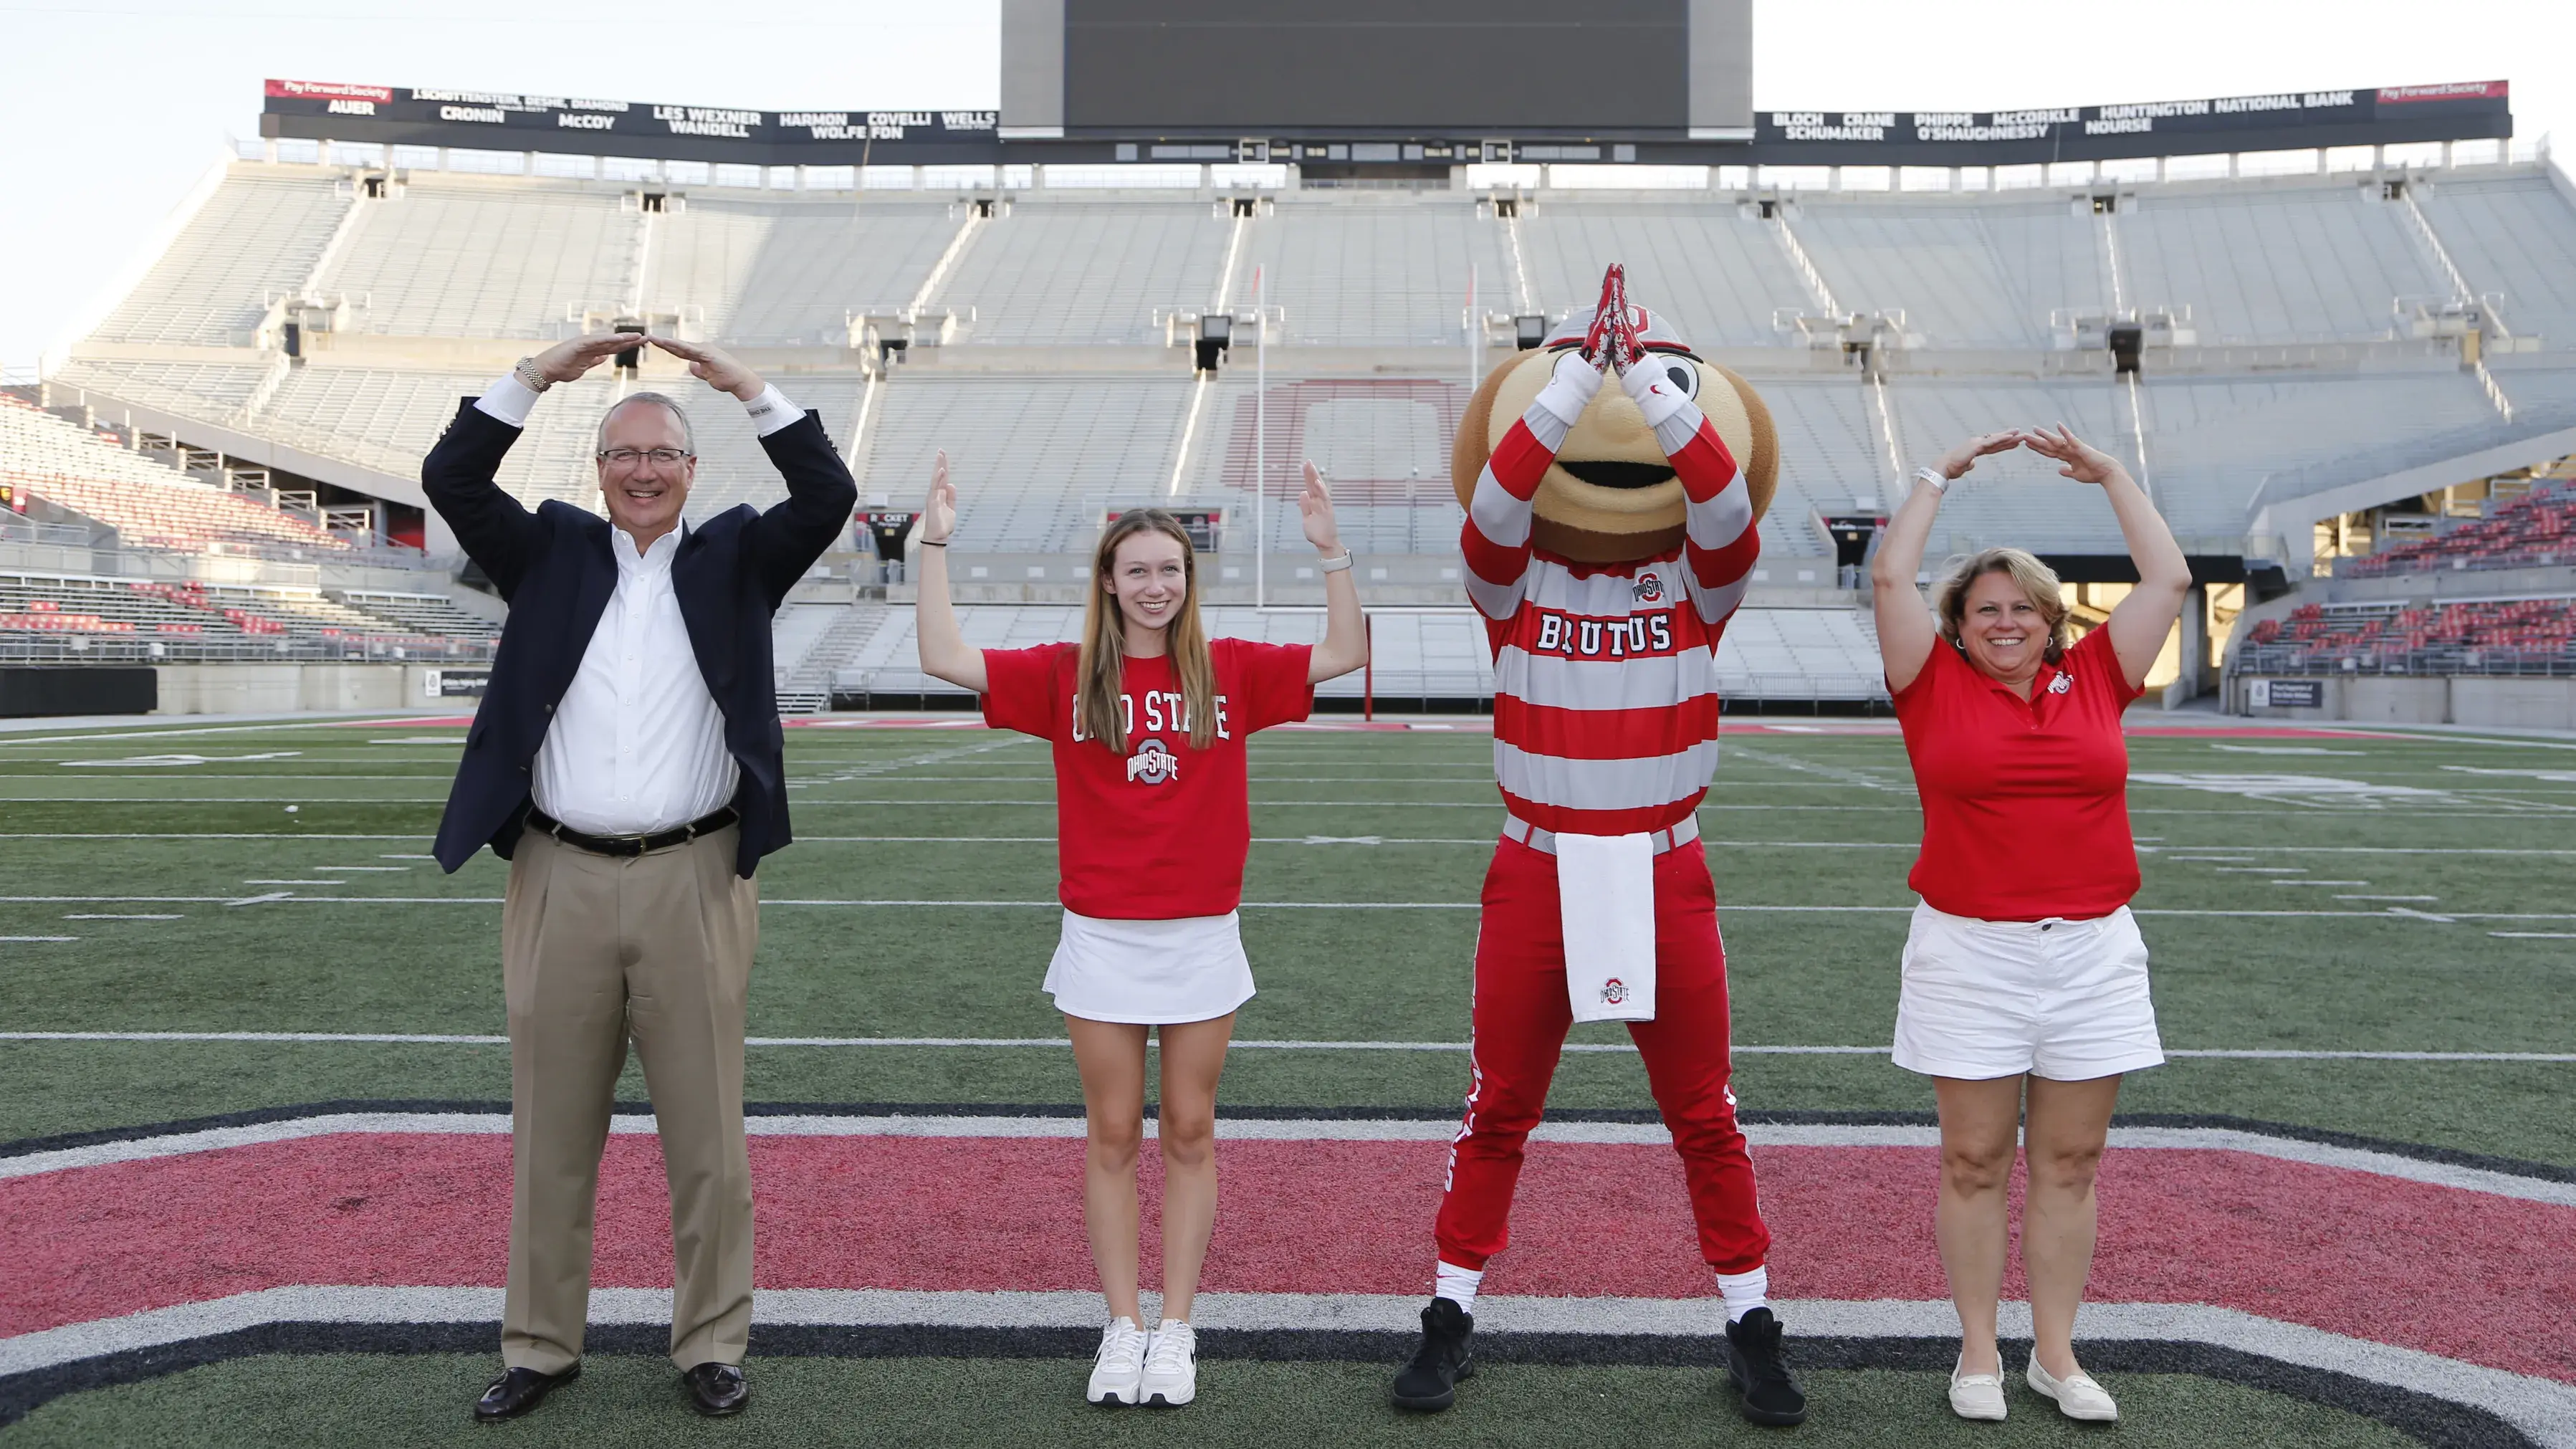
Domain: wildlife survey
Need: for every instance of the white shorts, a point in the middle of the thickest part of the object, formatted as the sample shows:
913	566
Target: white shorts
2065	1000
1150	972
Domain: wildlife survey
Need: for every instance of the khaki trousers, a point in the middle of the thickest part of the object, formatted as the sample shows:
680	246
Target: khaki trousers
595	950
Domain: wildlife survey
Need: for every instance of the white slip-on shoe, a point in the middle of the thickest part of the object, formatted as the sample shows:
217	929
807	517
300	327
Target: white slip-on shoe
1977	1396
1118	1370
2077	1396
1171	1366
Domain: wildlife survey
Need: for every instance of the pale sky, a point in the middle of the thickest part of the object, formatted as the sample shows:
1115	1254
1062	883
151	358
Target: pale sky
114	107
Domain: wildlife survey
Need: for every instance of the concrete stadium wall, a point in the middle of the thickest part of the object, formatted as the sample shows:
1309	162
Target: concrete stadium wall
2493	701
280	688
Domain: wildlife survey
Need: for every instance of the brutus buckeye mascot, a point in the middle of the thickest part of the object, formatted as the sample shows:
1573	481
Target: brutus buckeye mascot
1610	532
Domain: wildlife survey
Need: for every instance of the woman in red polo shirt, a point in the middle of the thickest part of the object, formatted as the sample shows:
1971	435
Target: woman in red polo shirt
1148	718
2025	983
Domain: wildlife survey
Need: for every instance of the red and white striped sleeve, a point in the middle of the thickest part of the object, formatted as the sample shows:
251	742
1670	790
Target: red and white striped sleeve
1496	538
1720	542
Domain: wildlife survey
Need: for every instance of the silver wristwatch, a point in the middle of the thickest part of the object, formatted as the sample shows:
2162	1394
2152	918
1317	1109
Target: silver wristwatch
1940	481
528	376
1336	565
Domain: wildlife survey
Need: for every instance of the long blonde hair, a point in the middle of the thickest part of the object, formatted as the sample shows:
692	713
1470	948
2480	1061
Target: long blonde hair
1101	667
2036	580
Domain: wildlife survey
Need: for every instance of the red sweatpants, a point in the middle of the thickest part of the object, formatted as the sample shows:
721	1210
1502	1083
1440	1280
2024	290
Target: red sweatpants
1521	1016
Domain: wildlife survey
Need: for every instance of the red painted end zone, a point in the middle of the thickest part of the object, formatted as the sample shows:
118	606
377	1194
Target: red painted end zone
2445	1271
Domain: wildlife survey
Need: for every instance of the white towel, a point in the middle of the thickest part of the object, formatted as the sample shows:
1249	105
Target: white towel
1605	890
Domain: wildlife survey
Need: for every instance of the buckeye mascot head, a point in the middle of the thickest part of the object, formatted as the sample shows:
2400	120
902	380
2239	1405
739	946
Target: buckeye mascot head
1610	497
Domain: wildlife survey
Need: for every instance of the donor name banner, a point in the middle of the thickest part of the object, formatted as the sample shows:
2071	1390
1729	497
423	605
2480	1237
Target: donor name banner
2284	121
581	126
511	121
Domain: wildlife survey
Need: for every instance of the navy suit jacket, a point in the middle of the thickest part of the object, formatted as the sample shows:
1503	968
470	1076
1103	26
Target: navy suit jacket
554	568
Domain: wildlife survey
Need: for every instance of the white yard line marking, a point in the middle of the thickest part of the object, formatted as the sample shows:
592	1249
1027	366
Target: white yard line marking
353	867
293	898
132	916
2320	882
1049	1043
2262	870
2360	898
2534	935
32	939
259	880
2541	1408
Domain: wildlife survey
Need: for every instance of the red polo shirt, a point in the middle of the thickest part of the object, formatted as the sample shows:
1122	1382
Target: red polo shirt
2025	802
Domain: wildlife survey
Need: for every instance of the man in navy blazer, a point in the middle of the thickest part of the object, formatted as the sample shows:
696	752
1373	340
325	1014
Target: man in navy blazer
627	760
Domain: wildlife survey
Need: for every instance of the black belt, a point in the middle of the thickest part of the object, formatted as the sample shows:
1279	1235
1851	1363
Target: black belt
631	845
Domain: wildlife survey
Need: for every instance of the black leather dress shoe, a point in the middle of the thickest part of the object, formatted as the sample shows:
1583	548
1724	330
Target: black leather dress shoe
517	1391
717	1389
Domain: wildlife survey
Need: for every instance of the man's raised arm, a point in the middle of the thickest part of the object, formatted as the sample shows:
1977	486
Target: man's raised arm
783	542
495	529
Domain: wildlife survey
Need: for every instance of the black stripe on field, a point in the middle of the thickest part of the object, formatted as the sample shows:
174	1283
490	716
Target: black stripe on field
2435	1421
2288	1131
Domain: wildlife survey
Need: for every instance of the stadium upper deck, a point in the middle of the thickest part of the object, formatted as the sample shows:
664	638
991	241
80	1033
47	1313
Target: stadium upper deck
2296	348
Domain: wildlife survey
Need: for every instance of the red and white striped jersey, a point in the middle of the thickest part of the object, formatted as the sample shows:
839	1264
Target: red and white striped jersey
1605	678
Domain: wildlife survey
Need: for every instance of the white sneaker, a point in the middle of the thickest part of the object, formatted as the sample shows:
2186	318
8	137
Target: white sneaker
1977	1396
2077	1396
1171	1366
1118	1370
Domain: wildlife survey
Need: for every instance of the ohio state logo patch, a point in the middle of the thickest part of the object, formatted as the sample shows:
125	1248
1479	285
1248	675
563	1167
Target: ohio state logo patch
1614	991
2061	684
1153	763
1649	588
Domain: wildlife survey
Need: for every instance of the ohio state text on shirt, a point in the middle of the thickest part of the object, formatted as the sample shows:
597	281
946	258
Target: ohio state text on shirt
1161	832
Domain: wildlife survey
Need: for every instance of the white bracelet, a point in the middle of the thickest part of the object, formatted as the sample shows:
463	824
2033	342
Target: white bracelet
1336	565
1940	481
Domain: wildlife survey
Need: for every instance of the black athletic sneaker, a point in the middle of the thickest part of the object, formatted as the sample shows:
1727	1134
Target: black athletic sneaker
1760	1372
1430	1382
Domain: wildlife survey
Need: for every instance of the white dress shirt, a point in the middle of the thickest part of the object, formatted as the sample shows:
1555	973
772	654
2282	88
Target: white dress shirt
637	743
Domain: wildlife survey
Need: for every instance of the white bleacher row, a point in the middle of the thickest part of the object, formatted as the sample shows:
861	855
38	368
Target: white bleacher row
2282	260
34	441
256	237
388	420
483	262
1772	654
1039	461
789	273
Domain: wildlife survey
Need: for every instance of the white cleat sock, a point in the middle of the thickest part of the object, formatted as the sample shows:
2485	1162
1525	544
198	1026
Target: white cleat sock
1744	1292
1456	1284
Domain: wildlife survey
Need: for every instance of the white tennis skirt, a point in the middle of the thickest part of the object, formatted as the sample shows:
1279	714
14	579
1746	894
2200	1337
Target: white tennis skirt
2065	1000
1150	972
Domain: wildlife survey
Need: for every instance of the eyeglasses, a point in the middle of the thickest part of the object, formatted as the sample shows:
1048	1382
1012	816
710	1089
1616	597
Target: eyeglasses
628	457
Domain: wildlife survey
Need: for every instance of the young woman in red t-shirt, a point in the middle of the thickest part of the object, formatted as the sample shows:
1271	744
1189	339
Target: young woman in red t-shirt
2025	981
1148	717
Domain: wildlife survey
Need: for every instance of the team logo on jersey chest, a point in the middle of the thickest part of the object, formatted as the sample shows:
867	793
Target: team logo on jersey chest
1649	588
1153	763
1614	991
2061	684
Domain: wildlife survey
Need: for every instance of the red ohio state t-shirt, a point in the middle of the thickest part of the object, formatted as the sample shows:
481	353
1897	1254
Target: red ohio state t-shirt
1161	832
2025	802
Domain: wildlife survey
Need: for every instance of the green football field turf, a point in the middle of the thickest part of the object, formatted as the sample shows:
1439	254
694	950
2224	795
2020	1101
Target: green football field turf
2304	894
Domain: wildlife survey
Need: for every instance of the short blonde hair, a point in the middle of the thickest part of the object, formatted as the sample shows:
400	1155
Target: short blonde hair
2036	580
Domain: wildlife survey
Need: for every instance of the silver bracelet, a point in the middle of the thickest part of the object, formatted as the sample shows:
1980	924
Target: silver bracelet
1336	565
1940	481
528	376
